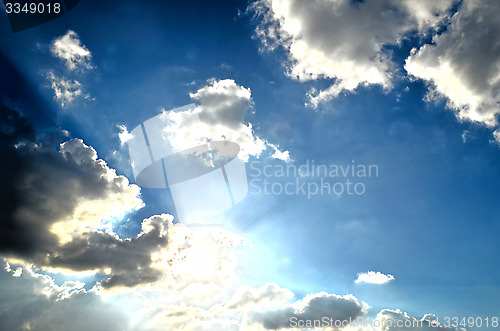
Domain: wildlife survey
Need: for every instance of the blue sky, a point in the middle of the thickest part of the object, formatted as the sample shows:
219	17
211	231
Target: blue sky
338	85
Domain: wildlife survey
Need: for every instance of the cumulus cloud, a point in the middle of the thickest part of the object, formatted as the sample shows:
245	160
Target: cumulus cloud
223	102
372	277
312	307
223	106
343	40
33	301
65	91
59	195
70	49
58	208
463	63
127	262
262	308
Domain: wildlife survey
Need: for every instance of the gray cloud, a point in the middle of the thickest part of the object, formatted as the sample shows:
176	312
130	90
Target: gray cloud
463	63
65	91
343	40
129	260
313	307
54	207
32	301
223	102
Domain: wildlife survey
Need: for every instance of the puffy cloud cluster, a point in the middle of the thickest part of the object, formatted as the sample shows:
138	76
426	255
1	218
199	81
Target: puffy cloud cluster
312	307
33	301
269	307
463	63
345	41
341	39
77	58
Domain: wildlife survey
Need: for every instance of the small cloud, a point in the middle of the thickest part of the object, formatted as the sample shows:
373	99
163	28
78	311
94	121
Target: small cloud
280	155
66	91
465	135
70	49
124	135
496	135
225	66
372	277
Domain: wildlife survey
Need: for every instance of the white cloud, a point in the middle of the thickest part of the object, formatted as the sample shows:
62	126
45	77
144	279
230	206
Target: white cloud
90	213
465	135
343	40
283	156
463	63
77	58
65	91
124	135
372	277
223	106
496	135
70	49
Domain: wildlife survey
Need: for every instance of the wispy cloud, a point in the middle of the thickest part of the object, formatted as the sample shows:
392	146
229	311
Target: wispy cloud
65	91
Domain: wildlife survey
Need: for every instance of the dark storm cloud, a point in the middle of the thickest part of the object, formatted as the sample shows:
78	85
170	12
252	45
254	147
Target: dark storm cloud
129	259
43	186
